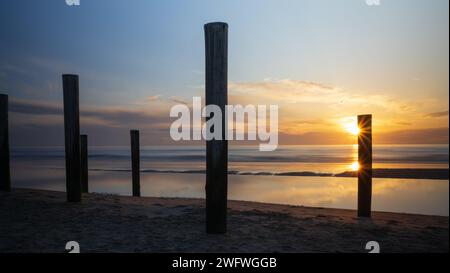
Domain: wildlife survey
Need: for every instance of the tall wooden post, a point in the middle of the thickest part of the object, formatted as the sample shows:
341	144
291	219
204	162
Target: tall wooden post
5	175
365	165
72	137
84	164
135	164
216	53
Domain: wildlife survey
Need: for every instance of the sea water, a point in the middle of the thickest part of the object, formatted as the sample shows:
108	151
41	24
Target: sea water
178	171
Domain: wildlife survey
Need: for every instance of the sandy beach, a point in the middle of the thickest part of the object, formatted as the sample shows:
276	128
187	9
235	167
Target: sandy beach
42	221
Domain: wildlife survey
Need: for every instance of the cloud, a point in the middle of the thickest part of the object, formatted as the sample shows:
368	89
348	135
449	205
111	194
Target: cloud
120	117
44	121
418	136
10	68
437	114
301	101
402	123
154	98
291	93
295	86
309	113
311	122
285	90
108	116
178	100
34	107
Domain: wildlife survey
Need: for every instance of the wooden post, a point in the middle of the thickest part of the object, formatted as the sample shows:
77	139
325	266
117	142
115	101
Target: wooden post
135	164
84	164
72	137
365	165
216	92
5	175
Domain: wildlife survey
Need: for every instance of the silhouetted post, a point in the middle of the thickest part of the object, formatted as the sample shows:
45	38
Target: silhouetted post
216	53
365	165
84	163
135	164
72	137
5	175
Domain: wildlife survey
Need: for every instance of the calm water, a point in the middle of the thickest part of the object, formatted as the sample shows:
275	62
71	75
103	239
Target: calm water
43	168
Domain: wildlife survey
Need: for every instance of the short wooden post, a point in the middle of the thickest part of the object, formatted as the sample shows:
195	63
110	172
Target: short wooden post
135	162
5	175
84	164
72	137
216	57
365	165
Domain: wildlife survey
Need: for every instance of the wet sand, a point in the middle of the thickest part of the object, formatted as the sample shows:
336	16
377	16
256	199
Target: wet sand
42	221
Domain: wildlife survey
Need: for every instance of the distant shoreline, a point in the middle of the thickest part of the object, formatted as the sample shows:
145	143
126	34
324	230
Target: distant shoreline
42	221
433	174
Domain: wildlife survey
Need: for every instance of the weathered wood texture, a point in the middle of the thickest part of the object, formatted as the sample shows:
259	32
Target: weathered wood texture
135	162
72	137
216	53
5	175
365	165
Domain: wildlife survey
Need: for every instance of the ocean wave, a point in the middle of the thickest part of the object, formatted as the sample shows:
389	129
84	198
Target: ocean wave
441	174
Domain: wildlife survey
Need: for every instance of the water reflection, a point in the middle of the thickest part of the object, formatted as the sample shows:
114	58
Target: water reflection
396	195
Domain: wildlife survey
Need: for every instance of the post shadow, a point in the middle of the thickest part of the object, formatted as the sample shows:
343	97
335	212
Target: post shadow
365	165
216	93
72	137
5	172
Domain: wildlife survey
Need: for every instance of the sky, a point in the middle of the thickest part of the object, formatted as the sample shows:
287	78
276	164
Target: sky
321	61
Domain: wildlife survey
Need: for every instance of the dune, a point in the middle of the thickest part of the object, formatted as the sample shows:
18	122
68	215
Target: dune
42	221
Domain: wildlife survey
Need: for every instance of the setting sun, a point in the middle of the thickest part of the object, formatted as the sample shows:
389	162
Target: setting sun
355	166
352	128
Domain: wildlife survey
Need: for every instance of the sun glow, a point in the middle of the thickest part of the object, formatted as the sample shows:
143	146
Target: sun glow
355	166
352	128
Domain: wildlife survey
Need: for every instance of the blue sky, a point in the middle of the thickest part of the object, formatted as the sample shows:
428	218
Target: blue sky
129	51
